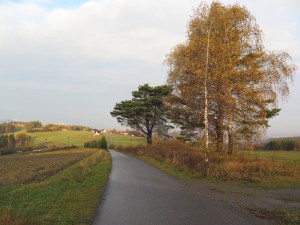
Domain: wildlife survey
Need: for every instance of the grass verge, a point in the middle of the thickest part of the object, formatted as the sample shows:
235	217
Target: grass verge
68	197
183	161
279	216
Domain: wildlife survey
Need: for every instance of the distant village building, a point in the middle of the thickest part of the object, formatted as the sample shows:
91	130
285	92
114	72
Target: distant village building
98	132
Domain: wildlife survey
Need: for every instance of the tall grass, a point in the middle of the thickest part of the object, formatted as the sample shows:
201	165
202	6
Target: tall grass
237	167
7	218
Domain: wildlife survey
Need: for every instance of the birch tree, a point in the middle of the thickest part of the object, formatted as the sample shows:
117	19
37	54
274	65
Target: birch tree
224	78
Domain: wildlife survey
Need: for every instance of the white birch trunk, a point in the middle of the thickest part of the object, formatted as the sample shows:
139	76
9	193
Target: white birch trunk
206	104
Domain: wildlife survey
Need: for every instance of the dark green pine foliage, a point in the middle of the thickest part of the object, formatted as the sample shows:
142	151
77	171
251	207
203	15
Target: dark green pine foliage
146	111
102	143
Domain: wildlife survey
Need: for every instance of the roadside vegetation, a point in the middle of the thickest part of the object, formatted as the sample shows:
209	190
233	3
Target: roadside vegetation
59	195
279	216
182	160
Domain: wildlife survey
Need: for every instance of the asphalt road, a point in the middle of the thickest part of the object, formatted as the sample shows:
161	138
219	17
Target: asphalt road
139	194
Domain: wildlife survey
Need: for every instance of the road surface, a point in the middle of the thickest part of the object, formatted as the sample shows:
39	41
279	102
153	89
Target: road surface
139	194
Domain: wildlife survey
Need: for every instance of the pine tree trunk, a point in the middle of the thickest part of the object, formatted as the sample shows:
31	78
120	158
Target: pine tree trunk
149	139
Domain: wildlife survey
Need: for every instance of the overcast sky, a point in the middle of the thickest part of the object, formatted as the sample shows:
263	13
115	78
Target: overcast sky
70	61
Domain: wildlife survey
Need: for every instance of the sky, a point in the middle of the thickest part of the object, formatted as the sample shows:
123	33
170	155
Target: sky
71	61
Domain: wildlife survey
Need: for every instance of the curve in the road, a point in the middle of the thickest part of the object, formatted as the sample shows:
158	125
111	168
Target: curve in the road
139	194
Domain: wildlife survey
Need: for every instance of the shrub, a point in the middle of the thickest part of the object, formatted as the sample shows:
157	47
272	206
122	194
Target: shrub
102	143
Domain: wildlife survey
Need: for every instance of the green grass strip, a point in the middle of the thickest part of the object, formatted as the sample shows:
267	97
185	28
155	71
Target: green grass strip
69	197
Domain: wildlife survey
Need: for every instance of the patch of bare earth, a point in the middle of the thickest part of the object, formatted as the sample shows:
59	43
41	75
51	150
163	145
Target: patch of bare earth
26	168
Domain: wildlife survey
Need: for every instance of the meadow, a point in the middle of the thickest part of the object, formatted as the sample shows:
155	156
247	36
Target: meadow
289	157
61	187
123	140
78	138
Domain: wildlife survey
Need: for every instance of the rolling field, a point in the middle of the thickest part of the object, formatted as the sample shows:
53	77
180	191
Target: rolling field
63	138
61	187
288	157
122	140
78	138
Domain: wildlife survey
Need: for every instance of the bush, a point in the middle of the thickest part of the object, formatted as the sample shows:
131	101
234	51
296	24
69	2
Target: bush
102	143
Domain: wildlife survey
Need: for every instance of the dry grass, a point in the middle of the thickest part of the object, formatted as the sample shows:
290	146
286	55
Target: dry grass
26	168
6	218
227	167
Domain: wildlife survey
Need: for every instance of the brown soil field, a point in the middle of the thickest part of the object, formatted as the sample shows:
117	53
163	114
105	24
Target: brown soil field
33	167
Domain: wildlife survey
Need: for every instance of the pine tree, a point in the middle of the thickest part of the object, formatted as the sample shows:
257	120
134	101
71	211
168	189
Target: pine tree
103	143
145	112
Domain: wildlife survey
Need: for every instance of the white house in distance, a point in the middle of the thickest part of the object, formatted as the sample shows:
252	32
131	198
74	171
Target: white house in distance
98	132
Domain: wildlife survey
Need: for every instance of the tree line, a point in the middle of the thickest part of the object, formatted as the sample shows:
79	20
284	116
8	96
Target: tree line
37	126
223	85
280	144
10	143
6	128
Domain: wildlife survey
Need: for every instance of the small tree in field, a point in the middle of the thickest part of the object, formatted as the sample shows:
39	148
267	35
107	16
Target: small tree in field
103	143
145	112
